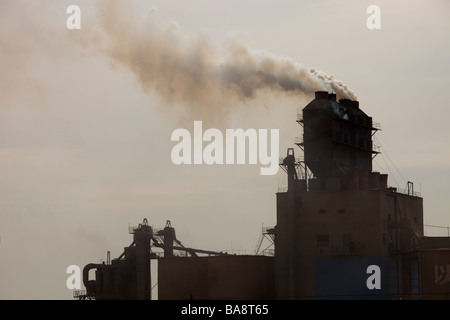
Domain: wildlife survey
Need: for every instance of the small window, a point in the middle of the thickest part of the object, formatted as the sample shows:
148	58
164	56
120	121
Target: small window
323	241
341	211
322	211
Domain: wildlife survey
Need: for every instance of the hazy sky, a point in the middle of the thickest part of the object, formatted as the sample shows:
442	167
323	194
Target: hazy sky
86	118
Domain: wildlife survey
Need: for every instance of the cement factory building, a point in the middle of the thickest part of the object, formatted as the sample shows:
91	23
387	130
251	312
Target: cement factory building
341	233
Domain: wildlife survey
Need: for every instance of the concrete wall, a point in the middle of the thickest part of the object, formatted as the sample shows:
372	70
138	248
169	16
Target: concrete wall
365	223
214	278
435	274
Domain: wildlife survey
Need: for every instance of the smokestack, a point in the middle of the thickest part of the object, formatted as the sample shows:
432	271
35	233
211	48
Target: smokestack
354	104
345	102
321	94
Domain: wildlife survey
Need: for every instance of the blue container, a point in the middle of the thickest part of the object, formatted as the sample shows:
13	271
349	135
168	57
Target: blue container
353	278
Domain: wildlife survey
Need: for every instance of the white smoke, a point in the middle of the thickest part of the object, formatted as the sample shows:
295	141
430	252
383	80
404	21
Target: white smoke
189	72
336	86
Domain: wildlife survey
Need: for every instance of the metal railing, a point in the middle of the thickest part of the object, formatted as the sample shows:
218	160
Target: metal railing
298	140
410	193
267	252
268	230
297	159
244	252
442	228
82	295
78	293
376	148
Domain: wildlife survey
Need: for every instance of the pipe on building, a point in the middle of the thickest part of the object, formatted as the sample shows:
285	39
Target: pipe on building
89	284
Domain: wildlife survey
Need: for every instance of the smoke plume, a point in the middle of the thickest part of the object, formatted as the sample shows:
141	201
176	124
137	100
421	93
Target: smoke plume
189	72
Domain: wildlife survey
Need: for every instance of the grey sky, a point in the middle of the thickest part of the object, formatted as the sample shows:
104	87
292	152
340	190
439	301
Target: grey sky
85	148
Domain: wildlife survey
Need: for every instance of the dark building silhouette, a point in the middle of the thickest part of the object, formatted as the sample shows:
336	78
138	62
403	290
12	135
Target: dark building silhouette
341	233
125	278
337	214
216	278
